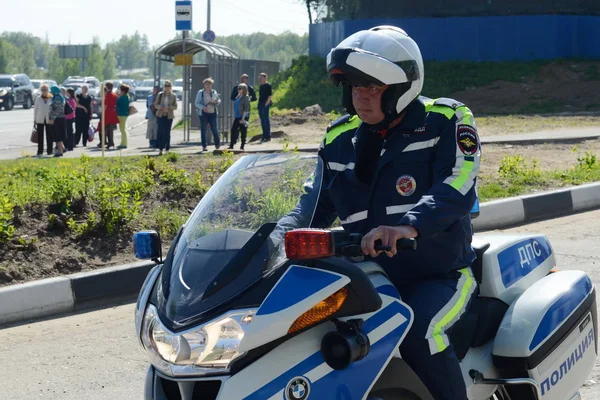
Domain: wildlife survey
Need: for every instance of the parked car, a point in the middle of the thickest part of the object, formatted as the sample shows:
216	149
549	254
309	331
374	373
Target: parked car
96	107
89	80
178	88
15	90
145	88
37	84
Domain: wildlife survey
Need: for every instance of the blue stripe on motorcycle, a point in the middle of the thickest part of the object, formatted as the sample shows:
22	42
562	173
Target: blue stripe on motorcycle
316	358
561	310
297	284
389	290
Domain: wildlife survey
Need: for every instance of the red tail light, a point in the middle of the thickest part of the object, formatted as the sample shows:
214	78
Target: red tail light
301	244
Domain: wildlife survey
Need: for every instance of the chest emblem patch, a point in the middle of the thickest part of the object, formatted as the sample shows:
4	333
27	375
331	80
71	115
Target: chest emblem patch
406	185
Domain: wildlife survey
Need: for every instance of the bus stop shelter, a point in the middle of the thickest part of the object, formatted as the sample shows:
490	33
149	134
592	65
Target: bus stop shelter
213	60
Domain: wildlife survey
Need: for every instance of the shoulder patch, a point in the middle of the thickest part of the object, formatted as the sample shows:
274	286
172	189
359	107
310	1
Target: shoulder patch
444	101
467	139
340	121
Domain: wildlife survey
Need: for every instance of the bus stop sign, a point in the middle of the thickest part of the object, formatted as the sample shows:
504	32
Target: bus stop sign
183	15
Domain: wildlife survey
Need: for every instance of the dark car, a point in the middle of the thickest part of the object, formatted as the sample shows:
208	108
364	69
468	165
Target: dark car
15	89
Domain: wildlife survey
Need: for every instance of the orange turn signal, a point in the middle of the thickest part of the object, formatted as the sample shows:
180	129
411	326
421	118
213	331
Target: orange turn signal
318	313
302	244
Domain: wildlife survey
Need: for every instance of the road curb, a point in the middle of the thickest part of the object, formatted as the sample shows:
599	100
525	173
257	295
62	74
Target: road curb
497	140
52	296
514	211
47	297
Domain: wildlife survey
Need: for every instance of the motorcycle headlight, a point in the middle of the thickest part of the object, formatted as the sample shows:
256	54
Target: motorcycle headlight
207	349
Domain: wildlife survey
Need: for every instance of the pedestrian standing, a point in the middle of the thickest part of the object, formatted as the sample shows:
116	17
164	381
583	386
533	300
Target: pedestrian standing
110	118
241	106
166	104
152	126
57	120
123	113
207	100
70	106
83	115
41	112
251	92
265	93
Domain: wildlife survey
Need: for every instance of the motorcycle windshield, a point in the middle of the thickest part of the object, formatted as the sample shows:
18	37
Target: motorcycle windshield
228	243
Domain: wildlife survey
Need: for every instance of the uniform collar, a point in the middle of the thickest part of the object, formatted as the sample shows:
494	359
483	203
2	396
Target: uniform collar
414	115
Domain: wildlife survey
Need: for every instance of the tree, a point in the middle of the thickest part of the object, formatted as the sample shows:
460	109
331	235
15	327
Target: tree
56	69
26	63
4	55
95	61
110	64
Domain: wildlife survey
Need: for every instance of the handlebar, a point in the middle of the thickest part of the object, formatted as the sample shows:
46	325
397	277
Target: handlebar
349	244
401	244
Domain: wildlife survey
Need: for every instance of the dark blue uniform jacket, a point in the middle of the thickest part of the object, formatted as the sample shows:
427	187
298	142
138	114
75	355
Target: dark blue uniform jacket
425	177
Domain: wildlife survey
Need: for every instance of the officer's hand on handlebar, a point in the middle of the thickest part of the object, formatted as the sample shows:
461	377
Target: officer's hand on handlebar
388	235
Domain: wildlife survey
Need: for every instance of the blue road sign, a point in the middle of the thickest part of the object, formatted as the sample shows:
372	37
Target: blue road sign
208	36
183	15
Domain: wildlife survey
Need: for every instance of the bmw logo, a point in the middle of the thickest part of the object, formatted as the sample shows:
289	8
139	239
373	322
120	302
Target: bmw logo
297	389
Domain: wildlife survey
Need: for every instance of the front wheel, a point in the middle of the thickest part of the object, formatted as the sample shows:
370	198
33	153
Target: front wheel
9	104
27	104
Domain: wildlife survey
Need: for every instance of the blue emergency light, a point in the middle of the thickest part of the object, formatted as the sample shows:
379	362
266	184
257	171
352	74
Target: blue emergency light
146	245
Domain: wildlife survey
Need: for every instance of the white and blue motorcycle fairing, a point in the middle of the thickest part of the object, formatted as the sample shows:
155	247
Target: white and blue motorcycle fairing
301	357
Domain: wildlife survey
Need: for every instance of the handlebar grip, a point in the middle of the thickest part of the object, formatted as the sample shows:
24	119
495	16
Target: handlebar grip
401	244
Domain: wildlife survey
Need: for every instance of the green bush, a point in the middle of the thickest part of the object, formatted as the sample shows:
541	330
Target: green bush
305	83
517	170
7	228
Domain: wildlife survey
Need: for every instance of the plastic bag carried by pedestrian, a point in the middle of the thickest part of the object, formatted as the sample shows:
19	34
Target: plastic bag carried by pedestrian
34	138
132	110
90	134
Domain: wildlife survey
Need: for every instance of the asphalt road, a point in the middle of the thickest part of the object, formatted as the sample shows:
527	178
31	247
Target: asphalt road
96	355
16	125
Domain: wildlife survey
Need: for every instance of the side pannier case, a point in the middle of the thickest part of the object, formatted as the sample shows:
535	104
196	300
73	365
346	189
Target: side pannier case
549	334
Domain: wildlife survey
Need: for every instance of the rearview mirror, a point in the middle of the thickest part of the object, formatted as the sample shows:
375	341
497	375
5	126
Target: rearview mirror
147	245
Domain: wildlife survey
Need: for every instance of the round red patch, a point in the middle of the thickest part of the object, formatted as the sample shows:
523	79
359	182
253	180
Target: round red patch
406	185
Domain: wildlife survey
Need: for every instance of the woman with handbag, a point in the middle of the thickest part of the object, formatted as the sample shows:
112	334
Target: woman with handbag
41	115
165	104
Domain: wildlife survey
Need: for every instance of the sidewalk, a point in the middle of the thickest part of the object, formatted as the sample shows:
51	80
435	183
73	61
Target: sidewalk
138	144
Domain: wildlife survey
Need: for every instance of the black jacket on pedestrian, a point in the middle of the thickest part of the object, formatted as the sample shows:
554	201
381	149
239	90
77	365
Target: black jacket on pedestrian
251	92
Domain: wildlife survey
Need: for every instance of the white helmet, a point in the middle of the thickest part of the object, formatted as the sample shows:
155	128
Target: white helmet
384	55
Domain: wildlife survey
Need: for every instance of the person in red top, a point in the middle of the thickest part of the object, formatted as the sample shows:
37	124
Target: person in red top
111	120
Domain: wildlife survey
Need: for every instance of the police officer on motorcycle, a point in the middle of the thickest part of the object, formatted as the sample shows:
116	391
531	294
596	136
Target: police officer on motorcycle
400	165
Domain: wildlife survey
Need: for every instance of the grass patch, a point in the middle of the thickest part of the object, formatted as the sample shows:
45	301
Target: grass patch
518	176
442	79
99	197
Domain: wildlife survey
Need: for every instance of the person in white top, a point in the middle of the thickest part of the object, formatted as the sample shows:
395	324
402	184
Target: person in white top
41	119
206	103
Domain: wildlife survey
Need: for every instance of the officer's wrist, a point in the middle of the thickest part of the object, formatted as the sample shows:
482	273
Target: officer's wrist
409	231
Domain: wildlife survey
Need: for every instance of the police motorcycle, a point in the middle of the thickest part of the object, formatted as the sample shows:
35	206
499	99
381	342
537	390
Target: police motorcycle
239	310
